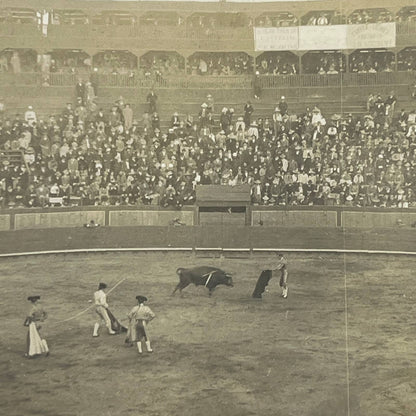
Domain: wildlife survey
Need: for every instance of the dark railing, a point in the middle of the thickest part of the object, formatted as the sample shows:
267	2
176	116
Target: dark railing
130	80
148	31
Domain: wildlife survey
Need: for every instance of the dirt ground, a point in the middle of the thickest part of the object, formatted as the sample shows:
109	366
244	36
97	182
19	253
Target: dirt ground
228	355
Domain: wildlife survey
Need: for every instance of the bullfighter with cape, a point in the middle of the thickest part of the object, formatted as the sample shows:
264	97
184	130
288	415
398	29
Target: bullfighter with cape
104	313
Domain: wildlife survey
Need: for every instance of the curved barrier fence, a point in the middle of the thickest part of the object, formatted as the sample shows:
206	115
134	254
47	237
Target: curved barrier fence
214	82
295	217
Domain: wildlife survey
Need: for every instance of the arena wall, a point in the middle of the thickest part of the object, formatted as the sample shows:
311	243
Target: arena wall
258	216
4	222
207	242
137	218
288	218
57	219
377	219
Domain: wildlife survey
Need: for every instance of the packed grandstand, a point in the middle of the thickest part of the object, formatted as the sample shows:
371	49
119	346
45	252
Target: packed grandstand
84	155
100	151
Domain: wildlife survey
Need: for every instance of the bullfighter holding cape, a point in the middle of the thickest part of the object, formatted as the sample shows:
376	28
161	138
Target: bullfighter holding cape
106	317
139	316
267	274
35	344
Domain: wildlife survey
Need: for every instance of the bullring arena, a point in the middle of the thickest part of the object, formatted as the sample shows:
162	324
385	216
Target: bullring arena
340	344
137	138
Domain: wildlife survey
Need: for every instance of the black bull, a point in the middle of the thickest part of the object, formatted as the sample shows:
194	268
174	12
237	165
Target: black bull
210	277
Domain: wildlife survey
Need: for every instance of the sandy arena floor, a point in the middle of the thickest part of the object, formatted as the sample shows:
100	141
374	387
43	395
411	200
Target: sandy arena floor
228	355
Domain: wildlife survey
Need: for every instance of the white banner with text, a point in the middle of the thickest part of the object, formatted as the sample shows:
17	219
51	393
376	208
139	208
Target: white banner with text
331	37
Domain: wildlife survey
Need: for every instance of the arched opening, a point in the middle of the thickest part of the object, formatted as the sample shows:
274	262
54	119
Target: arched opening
371	61
69	60
115	61
276	19
69	17
406	59
406	14
208	22
220	63
20	15
277	63
18	60
114	18
323	62
163	63
161	18
376	15
323	18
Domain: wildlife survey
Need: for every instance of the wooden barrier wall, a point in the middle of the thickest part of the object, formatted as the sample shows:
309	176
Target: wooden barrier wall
294	218
313	217
57	219
4	222
376	219
139	218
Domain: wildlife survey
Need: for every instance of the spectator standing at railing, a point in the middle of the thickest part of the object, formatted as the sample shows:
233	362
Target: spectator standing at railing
30	116
151	100
380	109
248	111
210	103
370	103
80	90
390	104
283	106
128	117
89	94
94	80
15	63
257	86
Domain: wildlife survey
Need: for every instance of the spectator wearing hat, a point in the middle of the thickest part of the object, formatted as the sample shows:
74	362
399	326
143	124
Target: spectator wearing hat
283	106
139	317
248	111
210	103
128	117
101	308
155	122
94	80
80	90
175	120
35	344
257	86
30	116
151	99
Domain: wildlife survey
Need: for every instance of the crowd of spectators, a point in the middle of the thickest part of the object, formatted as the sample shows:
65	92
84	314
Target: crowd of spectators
96	157
323	63
18	60
406	60
162	64
275	63
282	19
376	15
220	63
372	62
324	18
210	22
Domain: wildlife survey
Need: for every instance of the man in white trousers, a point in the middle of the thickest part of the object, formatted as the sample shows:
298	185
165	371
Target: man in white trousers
101	307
